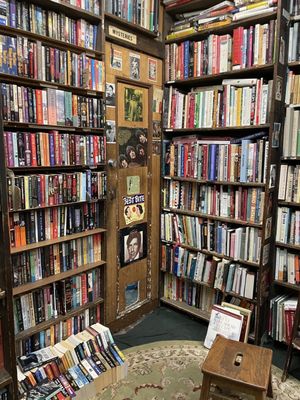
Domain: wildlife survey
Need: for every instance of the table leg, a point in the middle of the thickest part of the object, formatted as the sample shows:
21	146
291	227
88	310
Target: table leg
205	387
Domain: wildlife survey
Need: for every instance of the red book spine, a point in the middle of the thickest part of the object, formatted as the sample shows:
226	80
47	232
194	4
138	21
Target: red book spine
84	296
205	162
237	46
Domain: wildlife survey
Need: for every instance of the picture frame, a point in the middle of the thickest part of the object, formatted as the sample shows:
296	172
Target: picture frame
133	244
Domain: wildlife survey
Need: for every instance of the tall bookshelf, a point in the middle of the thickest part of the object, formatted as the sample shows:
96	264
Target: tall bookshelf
200	200
53	174
286	276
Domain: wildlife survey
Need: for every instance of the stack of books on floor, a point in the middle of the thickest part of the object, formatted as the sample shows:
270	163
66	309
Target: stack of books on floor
222	14
80	366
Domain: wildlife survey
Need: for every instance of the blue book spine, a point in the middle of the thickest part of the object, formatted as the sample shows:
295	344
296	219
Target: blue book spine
12	14
52	150
244	160
175	260
186	58
219	239
4	55
212	161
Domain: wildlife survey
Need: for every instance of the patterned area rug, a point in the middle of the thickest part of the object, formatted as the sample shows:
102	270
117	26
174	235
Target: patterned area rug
171	370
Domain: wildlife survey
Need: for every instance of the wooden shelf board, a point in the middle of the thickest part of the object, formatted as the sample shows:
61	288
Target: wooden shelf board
55	205
7	30
5	378
224	183
15	250
288	246
257	70
191	5
287	285
227	28
292	159
130	25
288	203
212	217
42	128
186	278
295	18
55	278
20	80
294	64
180	305
212	253
53	321
70	10
55	168
217	129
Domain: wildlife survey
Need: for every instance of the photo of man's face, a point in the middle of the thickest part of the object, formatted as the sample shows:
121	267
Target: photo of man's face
133	245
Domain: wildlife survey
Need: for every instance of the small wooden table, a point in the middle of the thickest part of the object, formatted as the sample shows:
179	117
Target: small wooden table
238	366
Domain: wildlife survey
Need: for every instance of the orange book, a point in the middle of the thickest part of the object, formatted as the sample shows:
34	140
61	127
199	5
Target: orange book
39	106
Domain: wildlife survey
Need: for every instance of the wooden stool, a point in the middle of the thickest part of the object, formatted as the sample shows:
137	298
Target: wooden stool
238	366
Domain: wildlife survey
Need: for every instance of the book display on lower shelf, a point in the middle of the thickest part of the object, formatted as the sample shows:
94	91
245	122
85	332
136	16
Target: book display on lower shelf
223	103
81	365
53	163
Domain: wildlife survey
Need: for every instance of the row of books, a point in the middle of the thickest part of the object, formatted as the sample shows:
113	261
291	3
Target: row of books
52	223
25	58
243	160
51	107
289	183
233	278
287	267
56	299
188	264
193	294
67	366
294	7
247	47
141	12
221	14
243	243
288	226
291	134
4	394
292	93
237	102
59	331
33	18
41	190
294	43
282	314
240	203
37	264
49	149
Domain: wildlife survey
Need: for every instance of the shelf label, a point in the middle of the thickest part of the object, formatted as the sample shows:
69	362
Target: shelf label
123	35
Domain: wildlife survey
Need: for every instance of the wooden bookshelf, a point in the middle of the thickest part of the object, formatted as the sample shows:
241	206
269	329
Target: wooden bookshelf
15	79
32	246
28	287
8	377
274	69
53	321
288	246
212	217
288	203
290	286
186	308
216	78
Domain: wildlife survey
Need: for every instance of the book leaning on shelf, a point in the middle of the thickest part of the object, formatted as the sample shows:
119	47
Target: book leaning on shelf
237	102
73	363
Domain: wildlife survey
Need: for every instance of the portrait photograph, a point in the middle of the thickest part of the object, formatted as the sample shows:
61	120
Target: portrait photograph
110	131
133	102
133	244
134	65
110	94
133	147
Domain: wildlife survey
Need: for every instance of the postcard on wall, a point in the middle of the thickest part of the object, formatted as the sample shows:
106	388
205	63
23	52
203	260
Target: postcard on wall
157	100
116	59
133	184
133	244
134	208
133	147
135	66
110	131
156	131
152	69
272	175
132	294
110	95
276	134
